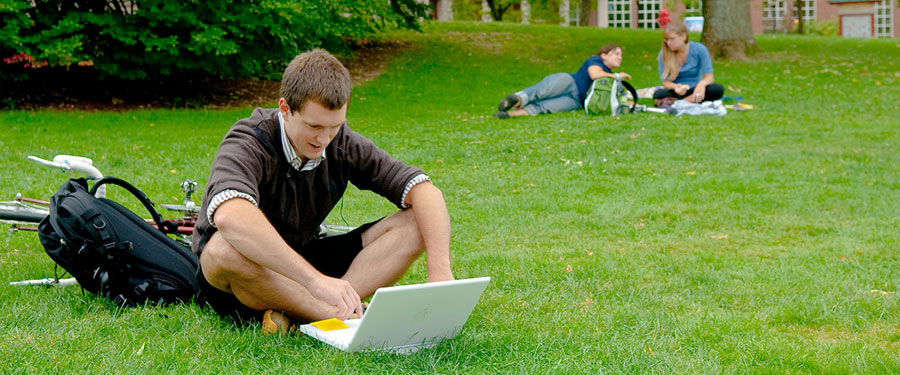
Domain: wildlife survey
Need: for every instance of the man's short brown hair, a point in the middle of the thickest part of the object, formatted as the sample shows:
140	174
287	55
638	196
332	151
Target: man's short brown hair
318	76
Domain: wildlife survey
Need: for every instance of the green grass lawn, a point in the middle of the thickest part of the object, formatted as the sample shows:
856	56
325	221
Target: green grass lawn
763	241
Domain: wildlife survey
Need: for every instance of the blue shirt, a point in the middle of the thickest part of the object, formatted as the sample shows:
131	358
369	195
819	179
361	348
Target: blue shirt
583	79
695	65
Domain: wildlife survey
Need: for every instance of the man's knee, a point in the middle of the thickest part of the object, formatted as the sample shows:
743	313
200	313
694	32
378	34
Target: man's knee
222	263
402	229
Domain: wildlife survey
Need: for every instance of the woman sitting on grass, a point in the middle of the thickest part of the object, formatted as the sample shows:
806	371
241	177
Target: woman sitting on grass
685	69
563	92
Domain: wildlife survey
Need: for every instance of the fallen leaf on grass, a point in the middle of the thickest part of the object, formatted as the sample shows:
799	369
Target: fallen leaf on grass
691	173
587	302
880	292
589	252
568	268
719	236
173	171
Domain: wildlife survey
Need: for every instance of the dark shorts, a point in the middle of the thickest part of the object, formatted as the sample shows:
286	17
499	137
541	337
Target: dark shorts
714	91
330	255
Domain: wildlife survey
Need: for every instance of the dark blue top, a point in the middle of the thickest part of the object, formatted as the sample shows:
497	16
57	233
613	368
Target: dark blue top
583	79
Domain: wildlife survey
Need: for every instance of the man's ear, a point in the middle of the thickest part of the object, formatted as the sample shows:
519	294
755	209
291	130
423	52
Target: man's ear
283	106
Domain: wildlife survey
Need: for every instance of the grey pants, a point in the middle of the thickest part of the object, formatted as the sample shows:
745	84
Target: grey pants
555	93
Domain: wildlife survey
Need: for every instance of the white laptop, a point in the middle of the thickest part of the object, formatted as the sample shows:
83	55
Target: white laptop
406	318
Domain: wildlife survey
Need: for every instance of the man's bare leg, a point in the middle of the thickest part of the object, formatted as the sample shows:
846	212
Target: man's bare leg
257	287
389	248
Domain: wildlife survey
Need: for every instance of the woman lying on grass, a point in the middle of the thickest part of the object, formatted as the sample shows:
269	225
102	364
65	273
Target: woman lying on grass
685	69
563	92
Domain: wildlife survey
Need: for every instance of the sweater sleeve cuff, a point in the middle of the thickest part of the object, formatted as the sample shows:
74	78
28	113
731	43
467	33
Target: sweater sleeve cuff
418	179
223	196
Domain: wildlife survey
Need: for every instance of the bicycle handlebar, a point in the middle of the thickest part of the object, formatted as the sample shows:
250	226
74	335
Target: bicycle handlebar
79	164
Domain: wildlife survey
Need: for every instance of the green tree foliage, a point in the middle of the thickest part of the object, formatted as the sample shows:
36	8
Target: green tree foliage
145	39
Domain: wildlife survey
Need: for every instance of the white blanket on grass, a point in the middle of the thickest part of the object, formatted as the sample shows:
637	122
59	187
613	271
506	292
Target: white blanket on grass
682	107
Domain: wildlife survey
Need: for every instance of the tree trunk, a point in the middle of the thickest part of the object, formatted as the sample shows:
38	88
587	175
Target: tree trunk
584	12
800	16
726	28
564	12
526	11
445	10
486	15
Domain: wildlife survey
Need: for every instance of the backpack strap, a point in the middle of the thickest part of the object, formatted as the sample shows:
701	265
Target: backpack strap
634	94
66	190
587	98
137	193
73	197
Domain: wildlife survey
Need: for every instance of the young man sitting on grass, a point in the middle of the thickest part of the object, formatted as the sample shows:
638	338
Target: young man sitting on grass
275	178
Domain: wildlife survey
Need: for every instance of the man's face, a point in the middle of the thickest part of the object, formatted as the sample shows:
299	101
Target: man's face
311	129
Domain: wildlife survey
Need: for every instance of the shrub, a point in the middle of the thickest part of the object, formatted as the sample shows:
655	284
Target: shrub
145	39
823	28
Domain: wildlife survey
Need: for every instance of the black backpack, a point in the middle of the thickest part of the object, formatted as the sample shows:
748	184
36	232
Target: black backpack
113	252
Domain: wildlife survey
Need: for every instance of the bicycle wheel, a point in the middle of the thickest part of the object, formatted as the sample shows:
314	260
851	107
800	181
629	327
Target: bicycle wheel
13	211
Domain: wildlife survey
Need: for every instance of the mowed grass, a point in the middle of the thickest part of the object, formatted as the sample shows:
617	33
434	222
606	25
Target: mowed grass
763	241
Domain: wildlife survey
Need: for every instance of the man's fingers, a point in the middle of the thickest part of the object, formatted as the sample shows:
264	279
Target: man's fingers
346	307
351	303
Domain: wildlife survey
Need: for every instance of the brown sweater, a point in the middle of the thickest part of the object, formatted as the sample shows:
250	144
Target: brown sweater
251	160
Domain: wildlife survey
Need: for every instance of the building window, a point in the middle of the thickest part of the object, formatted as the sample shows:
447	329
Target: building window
884	19
773	14
620	14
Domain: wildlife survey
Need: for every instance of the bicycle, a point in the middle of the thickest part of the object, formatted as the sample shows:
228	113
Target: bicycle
25	213
21	213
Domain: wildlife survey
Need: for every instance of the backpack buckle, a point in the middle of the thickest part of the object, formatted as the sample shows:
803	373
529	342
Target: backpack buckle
141	289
